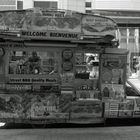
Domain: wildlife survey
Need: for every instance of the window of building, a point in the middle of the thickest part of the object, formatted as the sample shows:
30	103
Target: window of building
46	4
88	4
7	5
2	8
7	2
88	11
19	4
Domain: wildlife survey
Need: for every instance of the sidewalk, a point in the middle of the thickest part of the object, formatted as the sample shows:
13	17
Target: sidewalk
134	81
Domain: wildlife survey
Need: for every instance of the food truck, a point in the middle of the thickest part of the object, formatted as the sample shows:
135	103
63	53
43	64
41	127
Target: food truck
61	66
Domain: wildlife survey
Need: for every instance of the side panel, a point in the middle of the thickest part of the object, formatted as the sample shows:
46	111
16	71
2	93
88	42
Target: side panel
50	84
113	82
32	85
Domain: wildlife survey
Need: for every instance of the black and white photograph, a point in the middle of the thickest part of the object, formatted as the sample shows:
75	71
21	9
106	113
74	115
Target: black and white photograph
69	69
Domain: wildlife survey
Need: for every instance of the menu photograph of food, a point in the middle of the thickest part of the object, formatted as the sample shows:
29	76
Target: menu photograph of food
92	25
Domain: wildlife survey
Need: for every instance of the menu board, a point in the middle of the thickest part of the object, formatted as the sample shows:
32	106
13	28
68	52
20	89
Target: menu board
113	68
33	62
113	76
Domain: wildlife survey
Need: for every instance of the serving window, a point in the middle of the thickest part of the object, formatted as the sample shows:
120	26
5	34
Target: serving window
87	75
87	65
33	62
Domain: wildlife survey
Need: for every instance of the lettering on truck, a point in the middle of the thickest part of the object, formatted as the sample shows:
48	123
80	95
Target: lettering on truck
64	35
34	34
50	35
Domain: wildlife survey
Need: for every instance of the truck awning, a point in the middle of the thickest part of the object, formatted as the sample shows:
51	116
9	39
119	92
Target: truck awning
53	44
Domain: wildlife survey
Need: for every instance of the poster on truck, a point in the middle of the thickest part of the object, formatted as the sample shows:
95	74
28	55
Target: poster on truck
37	19
43	106
15	20
95	25
126	108
112	91
86	110
58	21
49	106
11	106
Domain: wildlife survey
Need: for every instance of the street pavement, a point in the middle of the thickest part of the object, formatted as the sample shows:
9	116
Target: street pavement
81	133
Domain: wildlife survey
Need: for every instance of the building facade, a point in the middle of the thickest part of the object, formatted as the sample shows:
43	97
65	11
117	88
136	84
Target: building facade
75	5
8	4
26	4
117	4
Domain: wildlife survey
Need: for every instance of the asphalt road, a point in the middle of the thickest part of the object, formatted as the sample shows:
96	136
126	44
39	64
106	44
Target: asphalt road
73	133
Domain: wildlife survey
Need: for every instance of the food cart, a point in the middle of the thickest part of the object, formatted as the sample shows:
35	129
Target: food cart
61	67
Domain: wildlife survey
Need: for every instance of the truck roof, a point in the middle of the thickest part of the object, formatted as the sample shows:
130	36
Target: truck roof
55	25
